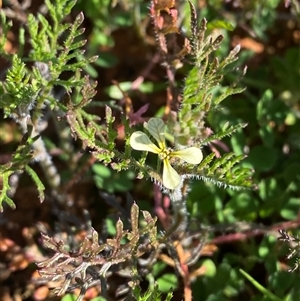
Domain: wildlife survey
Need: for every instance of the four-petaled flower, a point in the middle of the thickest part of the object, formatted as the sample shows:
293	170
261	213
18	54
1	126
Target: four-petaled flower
156	127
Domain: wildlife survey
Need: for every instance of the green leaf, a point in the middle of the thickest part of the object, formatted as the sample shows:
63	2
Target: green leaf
167	282
5	190
115	93
157	268
262	158
241	203
106	60
268	189
267	135
266	247
102	170
111	226
69	297
40	186
263	105
210	268
260	287
220	24
111	180
124	19
281	282
238	142
218	296
291	209
292	172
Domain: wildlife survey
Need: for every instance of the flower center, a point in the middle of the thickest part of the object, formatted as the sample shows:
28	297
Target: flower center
165	154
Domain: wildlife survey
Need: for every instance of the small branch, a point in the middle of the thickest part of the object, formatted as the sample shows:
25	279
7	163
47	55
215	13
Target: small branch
229	238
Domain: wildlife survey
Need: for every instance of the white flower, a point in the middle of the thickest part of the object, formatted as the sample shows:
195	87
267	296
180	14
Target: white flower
156	127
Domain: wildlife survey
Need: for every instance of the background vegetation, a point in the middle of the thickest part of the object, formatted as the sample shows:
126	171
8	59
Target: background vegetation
229	244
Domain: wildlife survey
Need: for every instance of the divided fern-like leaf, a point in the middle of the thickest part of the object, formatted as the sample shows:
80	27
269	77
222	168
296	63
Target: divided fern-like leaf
203	93
225	132
19	162
18	92
26	92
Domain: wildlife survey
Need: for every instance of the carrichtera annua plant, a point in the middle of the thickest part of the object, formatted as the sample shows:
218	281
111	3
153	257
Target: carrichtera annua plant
27	93
35	89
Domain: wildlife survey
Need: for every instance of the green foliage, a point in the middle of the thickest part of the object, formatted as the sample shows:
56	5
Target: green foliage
263	16
260	287
68	297
19	92
167	282
112	181
268	107
26	92
152	294
106	17
19	162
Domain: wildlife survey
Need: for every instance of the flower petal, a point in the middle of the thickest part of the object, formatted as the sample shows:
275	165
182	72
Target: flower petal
140	141
156	128
191	155
171	179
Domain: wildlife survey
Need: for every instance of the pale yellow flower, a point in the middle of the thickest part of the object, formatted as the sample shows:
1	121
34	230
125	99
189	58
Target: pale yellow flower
156	127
